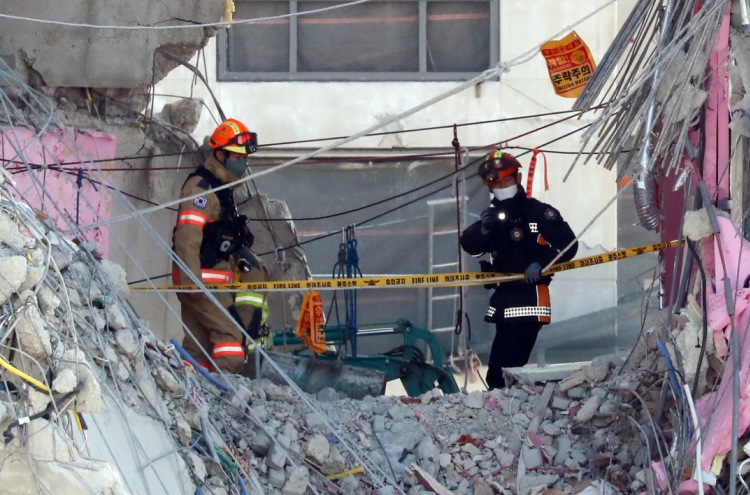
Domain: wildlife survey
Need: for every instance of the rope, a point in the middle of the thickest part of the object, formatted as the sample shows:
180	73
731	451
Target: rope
593	220
502	67
69	144
353	158
460	311
330	234
352	270
179	26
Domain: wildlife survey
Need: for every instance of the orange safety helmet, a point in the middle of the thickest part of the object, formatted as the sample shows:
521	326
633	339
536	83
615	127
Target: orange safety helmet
497	166
233	135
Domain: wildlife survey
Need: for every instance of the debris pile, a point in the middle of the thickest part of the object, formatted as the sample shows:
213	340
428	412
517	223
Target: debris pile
70	340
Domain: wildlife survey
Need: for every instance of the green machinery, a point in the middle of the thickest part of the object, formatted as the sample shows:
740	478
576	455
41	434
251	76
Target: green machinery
357	376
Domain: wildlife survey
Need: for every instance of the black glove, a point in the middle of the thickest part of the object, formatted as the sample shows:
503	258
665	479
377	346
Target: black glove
246	237
489	220
486	266
533	273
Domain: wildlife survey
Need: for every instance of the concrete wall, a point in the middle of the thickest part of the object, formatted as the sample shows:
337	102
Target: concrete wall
100	58
58	189
285	111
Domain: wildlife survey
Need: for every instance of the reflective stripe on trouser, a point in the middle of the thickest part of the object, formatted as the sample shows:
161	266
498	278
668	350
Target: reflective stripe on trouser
228	349
211	329
208	276
255	300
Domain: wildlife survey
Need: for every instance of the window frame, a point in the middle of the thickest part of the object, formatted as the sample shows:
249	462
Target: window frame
223	74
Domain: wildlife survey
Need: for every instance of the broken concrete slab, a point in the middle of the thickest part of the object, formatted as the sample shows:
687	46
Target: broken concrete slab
530	483
589	409
98	59
335	462
32	332
317	449
474	400
534	374
65	381
48	301
297	482
276	457
89	399
572	381
126	342
276	478
116	318
184	113
117	276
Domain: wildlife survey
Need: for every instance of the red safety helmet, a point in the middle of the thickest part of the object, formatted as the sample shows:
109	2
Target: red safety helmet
233	135
497	166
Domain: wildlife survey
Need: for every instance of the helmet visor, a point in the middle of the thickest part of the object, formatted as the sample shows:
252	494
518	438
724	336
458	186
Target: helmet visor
245	142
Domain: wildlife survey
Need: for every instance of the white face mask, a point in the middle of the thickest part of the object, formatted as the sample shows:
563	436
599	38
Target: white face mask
503	193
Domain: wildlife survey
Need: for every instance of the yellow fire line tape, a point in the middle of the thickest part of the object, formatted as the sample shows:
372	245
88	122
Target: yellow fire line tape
415	281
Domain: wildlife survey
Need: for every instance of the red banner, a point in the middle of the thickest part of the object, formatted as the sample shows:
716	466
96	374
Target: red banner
311	327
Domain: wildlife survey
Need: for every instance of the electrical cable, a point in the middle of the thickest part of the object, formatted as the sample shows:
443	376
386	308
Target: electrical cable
500	68
699	261
384	133
191	25
698	440
93	181
39	386
439	127
325	236
195	71
74	149
200	369
51	406
670	370
181	264
364	223
446	176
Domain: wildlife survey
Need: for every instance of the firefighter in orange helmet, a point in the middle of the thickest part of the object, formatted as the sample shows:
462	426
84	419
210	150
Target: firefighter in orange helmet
208	235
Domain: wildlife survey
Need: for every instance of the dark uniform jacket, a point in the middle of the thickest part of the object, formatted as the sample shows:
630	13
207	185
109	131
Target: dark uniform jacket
524	230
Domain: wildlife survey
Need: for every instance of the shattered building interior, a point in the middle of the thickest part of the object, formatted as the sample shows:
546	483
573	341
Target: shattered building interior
368	146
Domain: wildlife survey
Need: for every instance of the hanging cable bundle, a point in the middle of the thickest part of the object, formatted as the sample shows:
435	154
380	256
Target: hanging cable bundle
657	93
352	270
460	312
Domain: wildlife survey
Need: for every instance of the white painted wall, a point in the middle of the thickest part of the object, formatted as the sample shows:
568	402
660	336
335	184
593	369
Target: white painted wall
284	111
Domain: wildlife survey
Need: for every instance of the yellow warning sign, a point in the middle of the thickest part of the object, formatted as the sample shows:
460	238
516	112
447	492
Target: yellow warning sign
570	64
415	281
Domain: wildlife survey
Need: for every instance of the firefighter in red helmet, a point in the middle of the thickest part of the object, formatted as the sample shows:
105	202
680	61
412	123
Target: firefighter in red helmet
208	236
521	235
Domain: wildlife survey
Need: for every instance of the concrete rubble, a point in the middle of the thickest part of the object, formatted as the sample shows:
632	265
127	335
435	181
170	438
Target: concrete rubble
85	342
561	431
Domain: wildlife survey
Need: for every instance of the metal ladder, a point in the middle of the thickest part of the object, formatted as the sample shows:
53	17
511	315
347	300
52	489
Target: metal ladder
453	293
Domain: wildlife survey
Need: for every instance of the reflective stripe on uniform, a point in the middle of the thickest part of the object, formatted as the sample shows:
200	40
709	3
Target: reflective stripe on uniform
527	311
191	217
217	276
208	276
250	298
253	299
228	349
